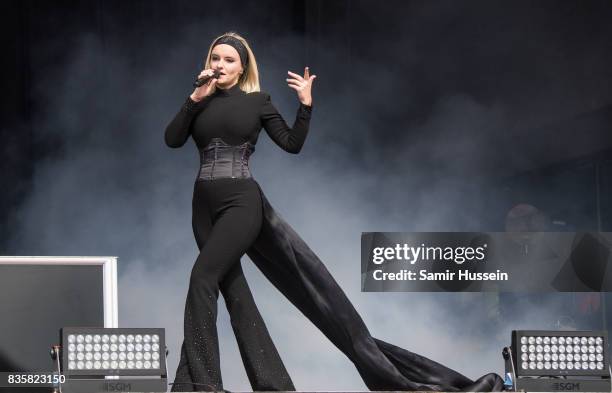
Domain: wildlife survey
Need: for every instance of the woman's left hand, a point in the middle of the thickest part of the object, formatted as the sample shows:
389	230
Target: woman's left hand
303	85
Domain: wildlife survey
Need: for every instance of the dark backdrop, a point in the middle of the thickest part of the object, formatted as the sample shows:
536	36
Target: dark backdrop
543	67
428	115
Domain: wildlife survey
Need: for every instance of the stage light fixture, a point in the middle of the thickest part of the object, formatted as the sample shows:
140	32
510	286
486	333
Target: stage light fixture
548	361
112	359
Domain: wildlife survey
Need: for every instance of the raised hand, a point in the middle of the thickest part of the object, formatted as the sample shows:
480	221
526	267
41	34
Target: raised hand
302	85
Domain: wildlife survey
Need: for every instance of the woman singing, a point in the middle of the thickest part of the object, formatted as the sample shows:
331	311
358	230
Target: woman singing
231	217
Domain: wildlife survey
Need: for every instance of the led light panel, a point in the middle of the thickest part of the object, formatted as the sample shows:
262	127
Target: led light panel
552	353
99	351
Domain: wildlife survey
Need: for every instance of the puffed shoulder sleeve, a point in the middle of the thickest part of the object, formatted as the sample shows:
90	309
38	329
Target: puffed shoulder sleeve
179	128
289	139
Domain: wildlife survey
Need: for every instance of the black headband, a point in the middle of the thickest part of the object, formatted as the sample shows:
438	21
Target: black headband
236	44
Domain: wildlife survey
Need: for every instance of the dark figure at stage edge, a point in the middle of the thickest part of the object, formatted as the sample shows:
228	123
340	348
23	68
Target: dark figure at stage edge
231	217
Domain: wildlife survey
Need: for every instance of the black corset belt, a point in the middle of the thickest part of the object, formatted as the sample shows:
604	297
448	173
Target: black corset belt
220	160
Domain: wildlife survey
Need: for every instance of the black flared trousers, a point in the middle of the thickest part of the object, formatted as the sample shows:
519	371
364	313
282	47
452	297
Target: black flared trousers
227	217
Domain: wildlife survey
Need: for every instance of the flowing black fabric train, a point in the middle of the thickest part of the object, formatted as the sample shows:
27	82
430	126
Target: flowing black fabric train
286	260
225	126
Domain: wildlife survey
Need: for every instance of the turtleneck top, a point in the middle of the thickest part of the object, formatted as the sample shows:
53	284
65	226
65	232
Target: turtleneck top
236	117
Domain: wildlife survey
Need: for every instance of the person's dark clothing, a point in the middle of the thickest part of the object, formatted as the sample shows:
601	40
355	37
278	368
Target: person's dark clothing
231	216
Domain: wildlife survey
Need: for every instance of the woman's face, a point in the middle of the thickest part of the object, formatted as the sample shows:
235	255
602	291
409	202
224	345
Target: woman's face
226	59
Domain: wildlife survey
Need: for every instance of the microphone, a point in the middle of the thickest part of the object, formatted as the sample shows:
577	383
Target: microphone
203	80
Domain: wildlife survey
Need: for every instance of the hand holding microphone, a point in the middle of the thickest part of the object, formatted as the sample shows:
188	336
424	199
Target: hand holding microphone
205	84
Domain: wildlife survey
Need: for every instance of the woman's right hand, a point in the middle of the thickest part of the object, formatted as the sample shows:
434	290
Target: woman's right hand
206	89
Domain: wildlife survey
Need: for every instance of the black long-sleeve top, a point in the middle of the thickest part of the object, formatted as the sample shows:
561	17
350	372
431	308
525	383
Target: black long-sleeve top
236	117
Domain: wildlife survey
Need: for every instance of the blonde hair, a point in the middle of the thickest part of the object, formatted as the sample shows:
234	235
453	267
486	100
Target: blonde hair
249	80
